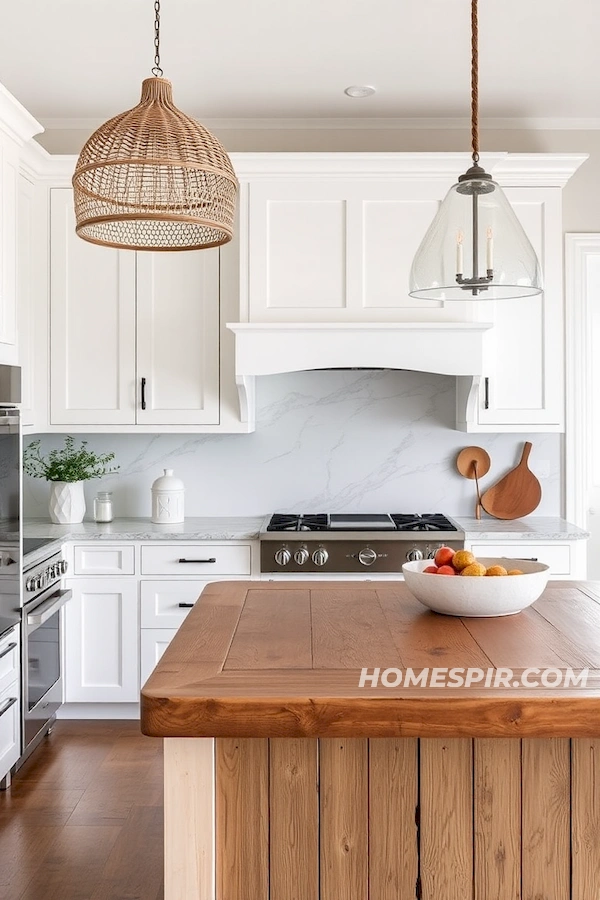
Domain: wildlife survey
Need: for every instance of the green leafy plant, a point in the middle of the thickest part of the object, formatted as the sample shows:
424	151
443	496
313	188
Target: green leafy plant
68	463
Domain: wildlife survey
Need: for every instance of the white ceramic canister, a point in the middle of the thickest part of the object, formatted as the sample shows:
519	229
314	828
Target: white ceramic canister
167	499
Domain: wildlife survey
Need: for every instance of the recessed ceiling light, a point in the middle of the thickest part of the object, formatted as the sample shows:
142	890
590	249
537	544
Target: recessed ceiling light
357	91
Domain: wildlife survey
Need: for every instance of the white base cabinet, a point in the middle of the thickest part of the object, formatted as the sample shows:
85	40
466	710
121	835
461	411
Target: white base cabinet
102	641
567	559
119	621
10	705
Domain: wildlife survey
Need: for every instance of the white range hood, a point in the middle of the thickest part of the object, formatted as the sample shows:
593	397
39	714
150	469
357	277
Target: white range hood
448	348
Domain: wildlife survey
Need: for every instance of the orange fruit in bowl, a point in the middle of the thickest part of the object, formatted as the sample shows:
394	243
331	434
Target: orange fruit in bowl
462	559
474	568
496	570
514	572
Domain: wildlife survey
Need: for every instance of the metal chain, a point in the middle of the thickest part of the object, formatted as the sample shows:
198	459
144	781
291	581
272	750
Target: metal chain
474	82
156	69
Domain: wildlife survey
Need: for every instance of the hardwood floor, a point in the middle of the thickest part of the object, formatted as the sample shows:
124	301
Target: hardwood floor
83	818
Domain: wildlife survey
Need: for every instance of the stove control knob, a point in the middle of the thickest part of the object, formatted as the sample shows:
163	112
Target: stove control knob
64	565
30	585
320	556
414	555
431	553
301	555
282	556
367	556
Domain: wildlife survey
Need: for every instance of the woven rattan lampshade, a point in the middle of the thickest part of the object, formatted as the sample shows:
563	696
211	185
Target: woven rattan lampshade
153	178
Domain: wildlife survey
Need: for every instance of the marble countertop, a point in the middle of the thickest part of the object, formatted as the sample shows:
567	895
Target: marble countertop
227	528
246	528
542	528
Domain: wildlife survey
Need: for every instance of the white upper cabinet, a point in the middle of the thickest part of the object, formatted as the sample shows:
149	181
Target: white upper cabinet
523	384
9	175
134	337
329	250
92	326
17	127
26	268
178	337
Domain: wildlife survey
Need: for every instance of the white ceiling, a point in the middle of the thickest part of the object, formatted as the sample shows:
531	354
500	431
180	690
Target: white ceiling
74	60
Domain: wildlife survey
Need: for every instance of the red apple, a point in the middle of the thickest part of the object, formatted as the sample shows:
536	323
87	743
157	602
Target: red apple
443	557
446	570
431	569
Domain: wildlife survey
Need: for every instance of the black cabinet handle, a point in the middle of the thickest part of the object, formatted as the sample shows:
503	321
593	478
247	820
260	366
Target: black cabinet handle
185	605
213	559
143	393
486	393
7	650
10	702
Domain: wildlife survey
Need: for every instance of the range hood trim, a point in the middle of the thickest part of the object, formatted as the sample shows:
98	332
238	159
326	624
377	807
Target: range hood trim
448	348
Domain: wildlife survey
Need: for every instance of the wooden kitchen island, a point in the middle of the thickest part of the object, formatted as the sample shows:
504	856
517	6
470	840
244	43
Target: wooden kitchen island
284	780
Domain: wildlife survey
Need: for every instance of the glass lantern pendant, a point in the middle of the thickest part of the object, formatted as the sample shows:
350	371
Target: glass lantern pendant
475	248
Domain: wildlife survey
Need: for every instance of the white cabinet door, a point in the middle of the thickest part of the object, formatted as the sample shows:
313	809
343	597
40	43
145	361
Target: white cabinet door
10	727
178	338
9	176
337	250
525	352
26	261
92	335
101	640
154	642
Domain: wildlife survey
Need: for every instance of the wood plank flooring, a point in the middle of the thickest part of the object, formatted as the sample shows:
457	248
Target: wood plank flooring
83	819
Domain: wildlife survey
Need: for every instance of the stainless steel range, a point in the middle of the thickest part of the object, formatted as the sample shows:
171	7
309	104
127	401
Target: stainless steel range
41	631
353	543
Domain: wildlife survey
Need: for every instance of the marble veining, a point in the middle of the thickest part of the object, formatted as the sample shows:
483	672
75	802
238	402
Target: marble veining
330	441
546	528
142	529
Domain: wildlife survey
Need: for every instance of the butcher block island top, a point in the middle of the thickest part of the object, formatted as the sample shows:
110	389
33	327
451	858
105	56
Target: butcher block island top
284	659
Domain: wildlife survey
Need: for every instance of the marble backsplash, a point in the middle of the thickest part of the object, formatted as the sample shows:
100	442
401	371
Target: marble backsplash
325	441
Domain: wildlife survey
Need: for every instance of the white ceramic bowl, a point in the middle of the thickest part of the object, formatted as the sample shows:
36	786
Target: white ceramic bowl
489	595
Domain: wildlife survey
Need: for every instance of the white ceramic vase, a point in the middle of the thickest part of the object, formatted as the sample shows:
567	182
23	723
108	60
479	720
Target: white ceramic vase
67	502
167	499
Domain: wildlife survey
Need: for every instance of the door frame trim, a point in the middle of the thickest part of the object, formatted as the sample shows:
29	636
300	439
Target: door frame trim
579	287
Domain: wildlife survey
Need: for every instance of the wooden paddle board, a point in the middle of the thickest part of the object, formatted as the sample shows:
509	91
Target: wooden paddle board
515	495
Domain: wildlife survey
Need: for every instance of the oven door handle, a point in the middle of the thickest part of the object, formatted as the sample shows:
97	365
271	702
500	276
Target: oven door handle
46	610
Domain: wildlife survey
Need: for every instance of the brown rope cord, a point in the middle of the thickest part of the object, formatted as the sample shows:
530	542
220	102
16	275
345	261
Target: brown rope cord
474	82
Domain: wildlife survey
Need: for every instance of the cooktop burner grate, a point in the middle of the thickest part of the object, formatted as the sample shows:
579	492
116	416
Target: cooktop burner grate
358	522
316	522
424	522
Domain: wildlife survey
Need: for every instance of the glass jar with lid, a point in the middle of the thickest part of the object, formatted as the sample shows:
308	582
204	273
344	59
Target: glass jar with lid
103	510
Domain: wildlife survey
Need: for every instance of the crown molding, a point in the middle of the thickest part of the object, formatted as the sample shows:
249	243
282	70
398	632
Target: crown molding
510	169
15	120
357	124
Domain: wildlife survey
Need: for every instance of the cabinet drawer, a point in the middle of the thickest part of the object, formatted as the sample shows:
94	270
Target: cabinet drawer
10	727
101	560
9	658
205	560
160	601
557	556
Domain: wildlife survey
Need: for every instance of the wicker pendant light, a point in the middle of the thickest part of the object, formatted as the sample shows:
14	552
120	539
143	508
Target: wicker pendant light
475	248
153	178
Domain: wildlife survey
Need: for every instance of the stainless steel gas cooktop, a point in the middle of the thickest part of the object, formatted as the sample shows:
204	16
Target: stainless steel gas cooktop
349	543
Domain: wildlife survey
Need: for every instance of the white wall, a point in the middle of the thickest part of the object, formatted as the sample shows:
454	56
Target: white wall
325	441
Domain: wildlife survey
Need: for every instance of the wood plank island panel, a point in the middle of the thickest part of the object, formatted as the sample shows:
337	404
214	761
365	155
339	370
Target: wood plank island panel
285	659
385	819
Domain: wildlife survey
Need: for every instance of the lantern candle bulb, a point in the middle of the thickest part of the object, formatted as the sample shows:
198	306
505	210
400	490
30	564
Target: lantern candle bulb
489	250
459	253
